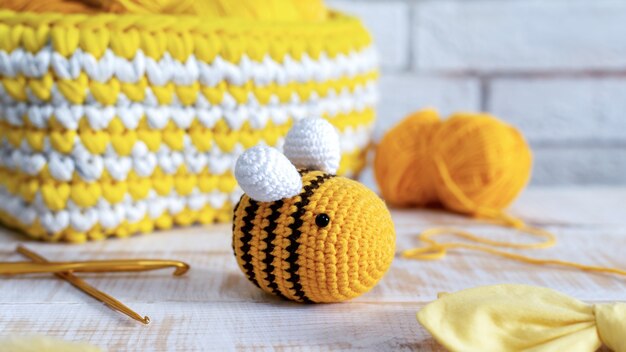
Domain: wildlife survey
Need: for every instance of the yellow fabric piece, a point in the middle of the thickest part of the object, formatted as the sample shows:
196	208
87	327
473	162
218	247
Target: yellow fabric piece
44	344
508	318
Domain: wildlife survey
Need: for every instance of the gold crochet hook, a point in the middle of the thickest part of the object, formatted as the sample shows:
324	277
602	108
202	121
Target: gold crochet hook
113	303
85	287
93	266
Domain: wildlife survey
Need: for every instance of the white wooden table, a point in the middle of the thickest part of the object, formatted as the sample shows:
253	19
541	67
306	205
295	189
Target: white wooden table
215	308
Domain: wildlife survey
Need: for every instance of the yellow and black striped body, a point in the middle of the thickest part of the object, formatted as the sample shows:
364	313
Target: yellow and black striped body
281	247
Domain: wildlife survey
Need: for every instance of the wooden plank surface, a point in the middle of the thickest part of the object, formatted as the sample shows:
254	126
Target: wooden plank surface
215	308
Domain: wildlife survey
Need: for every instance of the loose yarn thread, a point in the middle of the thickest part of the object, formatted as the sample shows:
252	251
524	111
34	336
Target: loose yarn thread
473	164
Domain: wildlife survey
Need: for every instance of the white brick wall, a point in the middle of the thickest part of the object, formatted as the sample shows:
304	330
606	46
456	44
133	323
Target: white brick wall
520	35
405	92
389	23
556	69
562	109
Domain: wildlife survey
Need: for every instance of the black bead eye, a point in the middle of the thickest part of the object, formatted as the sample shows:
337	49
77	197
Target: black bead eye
322	220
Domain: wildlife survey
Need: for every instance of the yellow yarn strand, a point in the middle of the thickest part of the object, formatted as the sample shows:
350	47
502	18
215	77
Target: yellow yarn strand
435	250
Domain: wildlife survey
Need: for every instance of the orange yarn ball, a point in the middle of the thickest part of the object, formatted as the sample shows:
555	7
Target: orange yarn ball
470	163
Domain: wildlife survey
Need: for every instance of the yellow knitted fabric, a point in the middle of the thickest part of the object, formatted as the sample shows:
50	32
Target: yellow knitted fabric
274	10
116	124
283	250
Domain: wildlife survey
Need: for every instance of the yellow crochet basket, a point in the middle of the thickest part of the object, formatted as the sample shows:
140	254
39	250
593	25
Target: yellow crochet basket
118	124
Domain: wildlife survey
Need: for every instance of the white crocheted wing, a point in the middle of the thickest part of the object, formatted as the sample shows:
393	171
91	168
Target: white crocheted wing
266	175
313	143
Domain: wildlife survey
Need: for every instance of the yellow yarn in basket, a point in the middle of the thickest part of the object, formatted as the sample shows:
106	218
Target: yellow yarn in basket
470	163
276	10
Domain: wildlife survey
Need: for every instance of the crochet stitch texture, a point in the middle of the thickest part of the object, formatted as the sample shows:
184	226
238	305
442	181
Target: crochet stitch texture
313	144
117	124
282	250
331	240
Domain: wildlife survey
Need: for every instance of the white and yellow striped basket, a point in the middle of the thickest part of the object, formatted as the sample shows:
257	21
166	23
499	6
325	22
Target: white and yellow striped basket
117	124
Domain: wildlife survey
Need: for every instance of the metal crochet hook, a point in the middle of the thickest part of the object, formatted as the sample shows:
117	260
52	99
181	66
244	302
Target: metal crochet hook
43	265
88	289
93	266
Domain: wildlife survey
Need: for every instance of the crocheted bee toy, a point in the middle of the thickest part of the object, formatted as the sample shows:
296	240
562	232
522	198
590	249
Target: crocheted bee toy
303	233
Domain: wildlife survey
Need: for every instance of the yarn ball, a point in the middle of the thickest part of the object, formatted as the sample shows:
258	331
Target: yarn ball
470	163
332	242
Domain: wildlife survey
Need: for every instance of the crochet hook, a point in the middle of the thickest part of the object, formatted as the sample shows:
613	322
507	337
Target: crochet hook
85	287
94	266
